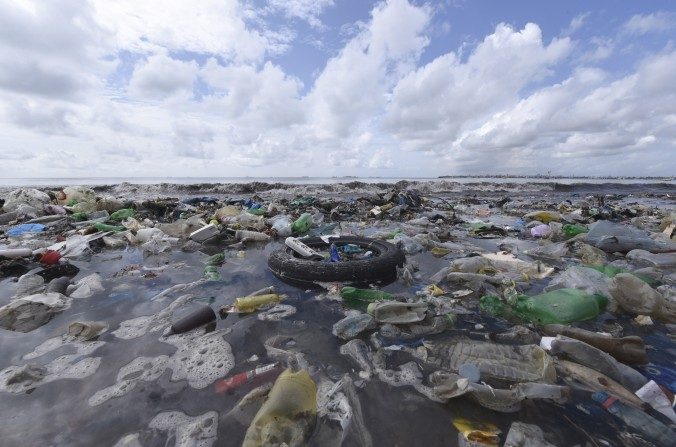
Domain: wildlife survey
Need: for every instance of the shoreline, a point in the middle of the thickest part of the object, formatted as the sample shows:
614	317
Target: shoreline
441	187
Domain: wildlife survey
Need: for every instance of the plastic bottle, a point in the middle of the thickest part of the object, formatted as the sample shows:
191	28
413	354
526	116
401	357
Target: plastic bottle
334	255
587	355
561	306
255	375
251	303
651	428
14	253
211	273
105	228
638	298
302	249
289	413
612	271
544	216
364	295
282	225
205	314
573	230
122	214
246	236
302	224
524	363
629	349
353	325
395	312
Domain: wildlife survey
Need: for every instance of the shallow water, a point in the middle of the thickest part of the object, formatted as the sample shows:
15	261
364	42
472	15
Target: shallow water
60	412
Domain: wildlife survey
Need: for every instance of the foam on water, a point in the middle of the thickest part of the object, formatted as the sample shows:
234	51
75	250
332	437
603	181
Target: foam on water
277	312
81	347
200	359
139	326
197	431
147	369
19	379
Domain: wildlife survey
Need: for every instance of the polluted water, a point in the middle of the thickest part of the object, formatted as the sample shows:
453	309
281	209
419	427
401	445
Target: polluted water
429	313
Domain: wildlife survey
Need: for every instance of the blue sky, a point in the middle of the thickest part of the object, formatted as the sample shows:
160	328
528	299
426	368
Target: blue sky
330	87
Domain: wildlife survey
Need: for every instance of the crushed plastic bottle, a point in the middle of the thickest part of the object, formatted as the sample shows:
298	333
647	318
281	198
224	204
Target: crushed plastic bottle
525	363
651	428
395	312
289	413
562	306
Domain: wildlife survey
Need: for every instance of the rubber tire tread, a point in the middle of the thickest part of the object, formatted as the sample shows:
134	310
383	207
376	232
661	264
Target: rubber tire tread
380	268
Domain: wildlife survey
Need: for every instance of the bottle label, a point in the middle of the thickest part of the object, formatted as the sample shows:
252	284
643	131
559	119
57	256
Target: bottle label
609	402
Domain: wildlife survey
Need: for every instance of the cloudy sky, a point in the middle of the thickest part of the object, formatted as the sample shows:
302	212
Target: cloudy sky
336	87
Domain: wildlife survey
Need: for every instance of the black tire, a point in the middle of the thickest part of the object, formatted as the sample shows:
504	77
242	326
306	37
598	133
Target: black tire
381	268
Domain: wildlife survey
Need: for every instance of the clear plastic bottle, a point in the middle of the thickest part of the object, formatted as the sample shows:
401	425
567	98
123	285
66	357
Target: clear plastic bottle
648	426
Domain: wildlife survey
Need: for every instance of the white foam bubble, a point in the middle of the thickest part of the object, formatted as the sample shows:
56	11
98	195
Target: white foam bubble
18	379
139	326
147	369
200	360
49	345
277	312
197	431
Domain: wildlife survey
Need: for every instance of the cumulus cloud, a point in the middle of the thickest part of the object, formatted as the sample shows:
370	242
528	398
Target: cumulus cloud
50	50
584	116
206	26
161	77
431	105
169	88
353	85
191	139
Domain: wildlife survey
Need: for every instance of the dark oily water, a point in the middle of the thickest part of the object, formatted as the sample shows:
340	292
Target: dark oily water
160	390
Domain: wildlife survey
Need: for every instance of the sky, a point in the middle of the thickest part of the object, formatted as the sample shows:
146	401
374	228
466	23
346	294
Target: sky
279	88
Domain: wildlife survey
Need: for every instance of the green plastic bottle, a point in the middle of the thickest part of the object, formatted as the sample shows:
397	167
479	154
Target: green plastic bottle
354	296
610	271
573	230
122	214
216	260
561	306
302	224
103	227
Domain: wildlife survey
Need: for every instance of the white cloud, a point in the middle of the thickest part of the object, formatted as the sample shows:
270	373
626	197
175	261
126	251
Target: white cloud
205	26
584	116
354	84
646	23
432	104
171	88
576	23
161	77
50	49
307	10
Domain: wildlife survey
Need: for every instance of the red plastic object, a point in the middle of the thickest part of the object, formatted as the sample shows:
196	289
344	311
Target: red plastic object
259	374
50	257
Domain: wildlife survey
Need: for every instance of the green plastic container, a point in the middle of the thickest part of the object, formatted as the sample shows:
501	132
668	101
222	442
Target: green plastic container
302	224
122	214
103	227
562	306
573	230
362	297
610	271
